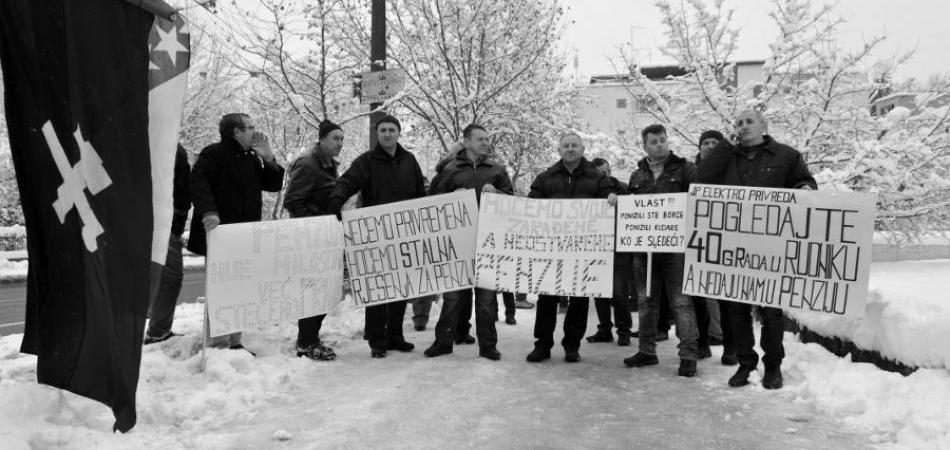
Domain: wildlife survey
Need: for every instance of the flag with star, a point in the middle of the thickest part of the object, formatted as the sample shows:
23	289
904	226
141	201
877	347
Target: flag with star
93	94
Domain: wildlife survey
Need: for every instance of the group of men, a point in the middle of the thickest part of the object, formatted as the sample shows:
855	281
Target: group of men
226	182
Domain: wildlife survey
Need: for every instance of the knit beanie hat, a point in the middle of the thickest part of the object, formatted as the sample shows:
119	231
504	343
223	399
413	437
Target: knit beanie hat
327	127
389	119
711	134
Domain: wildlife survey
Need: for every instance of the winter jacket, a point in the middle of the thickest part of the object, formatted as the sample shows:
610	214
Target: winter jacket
461	173
180	198
677	175
380	179
620	188
584	182
311	179
228	180
774	165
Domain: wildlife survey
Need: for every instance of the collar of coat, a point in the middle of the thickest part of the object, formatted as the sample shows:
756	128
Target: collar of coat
462	157
770	145
673	159
324	160
379	153
234	146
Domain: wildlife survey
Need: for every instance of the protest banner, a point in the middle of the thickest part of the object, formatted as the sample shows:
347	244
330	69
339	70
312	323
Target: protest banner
261	273
651	223
546	246
412	248
791	249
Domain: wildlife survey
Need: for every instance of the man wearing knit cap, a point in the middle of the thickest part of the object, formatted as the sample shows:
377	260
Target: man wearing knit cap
660	172
757	160
386	174
313	176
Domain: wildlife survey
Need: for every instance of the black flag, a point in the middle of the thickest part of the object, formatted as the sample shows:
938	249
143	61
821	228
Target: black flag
77	79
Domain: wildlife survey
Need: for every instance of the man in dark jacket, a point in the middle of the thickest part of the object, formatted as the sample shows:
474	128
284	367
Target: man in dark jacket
571	177
758	160
623	278
312	177
470	169
162	311
662	171
385	174
226	184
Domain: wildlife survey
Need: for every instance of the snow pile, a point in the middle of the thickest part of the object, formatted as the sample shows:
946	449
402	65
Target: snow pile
907	317
910	412
13	270
15	231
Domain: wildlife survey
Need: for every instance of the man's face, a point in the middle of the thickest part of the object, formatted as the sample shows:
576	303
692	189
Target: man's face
387	134
571	149
750	127
707	145
604	169
332	143
477	143
245	137
656	146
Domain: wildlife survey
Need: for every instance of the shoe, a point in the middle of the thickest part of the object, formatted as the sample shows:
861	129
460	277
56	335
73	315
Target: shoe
241	347
714	341
538	355
401	346
571	356
641	359
772	379
437	349
523	304
562	308
729	360
491	353
377	352
662	336
510	320
623	340
420	327
704	352
154	340
316	352
601	336
687	368
466	339
741	377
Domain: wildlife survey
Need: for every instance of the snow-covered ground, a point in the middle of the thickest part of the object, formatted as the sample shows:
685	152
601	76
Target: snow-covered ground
907	317
460	401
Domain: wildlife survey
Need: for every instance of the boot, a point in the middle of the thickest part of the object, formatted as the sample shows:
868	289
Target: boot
571	356
538	354
641	359
377	352
491	353
510	319
741	377
437	349
316	352
623	339
687	368
729	360
401	346
601	335
704	352
464	339
772	379
523	304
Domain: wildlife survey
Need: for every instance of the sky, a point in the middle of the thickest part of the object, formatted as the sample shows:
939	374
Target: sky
599	27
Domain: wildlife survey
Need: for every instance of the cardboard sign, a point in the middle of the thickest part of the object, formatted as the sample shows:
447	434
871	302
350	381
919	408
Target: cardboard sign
546	246
651	223
783	248
262	273
413	248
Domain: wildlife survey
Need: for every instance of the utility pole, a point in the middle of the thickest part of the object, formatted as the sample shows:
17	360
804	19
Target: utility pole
377	54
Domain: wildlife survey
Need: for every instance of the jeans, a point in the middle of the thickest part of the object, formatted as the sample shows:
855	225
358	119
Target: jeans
384	324
575	322
486	307
773	328
667	272
162	310
715	323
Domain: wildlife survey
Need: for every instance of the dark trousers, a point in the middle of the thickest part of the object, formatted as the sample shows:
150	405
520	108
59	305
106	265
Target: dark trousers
384	324
575	322
486	307
308	330
728	342
773	327
464	325
702	321
162	309
509	299
623	292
